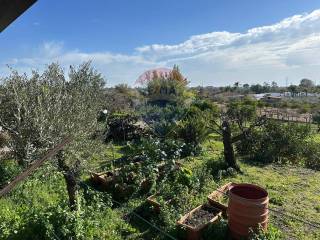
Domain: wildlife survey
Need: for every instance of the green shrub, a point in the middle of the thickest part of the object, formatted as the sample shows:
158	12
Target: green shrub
93	221
154	150
272	233
312	155
123	127
217	230
185	176
216	165
276	142
167	88
8	170
193	131
316	119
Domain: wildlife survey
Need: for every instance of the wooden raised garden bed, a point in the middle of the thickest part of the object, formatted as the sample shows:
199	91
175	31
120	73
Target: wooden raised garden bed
219	198
97	178
104	179
198	219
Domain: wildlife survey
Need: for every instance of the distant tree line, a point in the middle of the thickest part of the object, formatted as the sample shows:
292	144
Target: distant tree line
305	87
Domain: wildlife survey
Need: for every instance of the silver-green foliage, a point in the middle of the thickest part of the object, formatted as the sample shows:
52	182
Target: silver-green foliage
40	109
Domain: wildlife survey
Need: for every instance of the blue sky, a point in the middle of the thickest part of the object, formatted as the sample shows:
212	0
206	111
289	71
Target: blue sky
214	42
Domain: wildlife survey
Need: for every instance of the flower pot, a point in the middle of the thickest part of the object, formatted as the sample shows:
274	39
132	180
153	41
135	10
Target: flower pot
218	197
247	209
198	219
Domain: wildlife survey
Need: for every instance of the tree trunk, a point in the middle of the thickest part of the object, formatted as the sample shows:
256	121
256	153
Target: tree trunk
227	145
20	159
72	188
20	151
71	178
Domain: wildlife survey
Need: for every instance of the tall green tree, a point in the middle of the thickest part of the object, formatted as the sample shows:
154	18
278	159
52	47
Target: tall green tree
235	124
167	88
306	85
293	89
38	111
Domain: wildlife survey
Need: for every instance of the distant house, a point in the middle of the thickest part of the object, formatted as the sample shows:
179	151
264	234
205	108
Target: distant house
271	99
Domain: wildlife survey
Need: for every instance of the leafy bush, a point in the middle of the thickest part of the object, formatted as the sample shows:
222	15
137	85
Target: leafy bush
163	89
8	170
163	121
276	142
204	105
219	230
125	127
185	176
122	98
193	131
39	217
216	166
312	155
59	222
316	119
187	125
272	233
156	150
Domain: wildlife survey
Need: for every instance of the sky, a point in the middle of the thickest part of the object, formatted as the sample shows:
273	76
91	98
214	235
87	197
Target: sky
214	42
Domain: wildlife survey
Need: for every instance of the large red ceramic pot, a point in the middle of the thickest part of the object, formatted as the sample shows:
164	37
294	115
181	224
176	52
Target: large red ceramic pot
247	209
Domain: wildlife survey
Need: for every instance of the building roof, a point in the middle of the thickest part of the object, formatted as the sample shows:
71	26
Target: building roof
10	10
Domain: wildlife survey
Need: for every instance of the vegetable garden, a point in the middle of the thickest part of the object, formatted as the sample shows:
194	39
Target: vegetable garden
134	174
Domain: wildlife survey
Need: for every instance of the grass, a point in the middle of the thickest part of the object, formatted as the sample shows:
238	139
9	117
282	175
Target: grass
292	190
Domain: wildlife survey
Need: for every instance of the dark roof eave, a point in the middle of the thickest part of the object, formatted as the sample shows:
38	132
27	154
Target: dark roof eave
10	10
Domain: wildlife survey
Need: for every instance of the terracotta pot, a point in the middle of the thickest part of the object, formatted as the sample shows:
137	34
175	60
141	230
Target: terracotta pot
195	232
215	198
247	209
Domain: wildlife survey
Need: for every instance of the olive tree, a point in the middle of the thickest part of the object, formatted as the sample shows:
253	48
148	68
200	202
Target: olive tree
234	124
38	111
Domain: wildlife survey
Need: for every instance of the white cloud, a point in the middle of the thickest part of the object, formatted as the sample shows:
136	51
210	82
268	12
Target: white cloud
268	53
